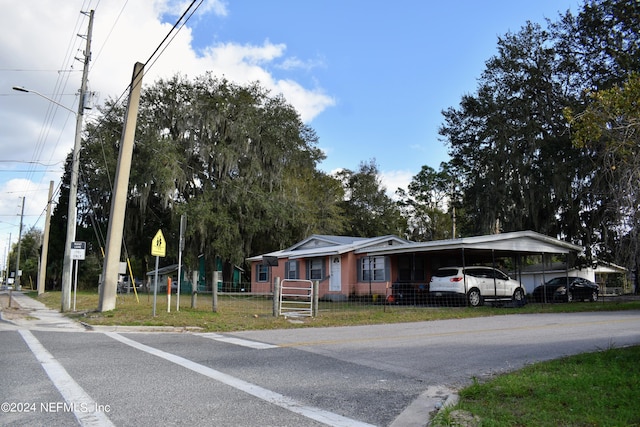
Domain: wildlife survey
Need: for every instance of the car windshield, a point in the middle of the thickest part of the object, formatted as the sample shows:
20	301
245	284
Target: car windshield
446	272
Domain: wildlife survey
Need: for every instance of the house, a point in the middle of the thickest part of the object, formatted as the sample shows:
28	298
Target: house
197	276
355	266
339	263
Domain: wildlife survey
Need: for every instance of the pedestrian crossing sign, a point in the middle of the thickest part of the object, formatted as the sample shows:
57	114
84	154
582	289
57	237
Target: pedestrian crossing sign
158	245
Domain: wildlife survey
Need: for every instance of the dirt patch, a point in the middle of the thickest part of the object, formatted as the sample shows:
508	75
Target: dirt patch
12	311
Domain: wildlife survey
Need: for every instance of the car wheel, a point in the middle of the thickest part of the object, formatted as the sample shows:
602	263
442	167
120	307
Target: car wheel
594	296
475	299
569	297
518	295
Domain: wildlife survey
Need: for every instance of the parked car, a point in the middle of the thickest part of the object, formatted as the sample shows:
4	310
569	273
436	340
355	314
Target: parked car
555	290
474	284
125	285
546	291
578	290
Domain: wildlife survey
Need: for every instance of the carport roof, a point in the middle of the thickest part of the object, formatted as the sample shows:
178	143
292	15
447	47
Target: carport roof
523	242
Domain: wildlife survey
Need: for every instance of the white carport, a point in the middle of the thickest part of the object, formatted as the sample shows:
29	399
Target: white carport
487	250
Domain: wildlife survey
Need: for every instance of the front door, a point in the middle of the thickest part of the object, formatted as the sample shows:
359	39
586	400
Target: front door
335	278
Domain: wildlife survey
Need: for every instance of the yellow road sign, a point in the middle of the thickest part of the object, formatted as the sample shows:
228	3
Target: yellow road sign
158	245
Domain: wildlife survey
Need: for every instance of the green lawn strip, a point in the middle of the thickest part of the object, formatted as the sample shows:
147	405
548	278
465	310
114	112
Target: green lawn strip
243	312
593	389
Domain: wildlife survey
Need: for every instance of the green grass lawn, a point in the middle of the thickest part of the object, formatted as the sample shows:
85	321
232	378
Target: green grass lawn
245	312
592	389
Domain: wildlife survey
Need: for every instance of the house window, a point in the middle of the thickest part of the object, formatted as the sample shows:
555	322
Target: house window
315	269
373	268
291	270
262	273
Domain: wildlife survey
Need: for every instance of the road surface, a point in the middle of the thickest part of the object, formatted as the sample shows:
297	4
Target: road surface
56	373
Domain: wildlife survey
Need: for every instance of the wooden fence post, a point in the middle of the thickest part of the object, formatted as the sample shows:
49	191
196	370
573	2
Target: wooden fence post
214	292
276	297
316	292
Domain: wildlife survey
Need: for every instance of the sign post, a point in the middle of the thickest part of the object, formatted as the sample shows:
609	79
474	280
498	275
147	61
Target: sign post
158	249
78	250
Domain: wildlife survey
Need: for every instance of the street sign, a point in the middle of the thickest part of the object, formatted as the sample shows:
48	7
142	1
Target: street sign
78	250
158	245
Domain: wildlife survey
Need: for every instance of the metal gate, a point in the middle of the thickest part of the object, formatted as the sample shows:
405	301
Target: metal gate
296	298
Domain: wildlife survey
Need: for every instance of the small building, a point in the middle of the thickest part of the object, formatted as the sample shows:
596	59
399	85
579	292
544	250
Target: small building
610	277
164	274
354	266
197	276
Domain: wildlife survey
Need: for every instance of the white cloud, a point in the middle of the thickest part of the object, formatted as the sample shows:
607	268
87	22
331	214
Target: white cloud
293	63
393	180
245	64
38	53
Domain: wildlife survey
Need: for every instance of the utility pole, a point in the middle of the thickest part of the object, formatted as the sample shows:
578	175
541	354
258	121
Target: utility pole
42	275
119	198
19	244
73	184
6	267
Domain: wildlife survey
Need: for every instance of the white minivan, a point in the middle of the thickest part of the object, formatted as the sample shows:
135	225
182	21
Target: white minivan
475	284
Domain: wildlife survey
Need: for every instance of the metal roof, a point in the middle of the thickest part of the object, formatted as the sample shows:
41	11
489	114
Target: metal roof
320	245
528	242
523	242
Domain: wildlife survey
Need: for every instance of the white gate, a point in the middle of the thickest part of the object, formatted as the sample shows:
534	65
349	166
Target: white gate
296	297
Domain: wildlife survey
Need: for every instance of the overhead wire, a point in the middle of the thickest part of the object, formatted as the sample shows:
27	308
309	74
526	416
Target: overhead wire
148	65
63	80
50	115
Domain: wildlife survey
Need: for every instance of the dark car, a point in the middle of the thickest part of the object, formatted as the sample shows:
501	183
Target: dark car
125	287
566	289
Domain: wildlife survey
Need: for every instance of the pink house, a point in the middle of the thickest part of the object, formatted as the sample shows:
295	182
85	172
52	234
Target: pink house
340	264
348	267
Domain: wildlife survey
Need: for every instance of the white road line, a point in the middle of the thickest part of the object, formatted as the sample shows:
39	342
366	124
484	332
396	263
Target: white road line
79	402
238	341
272	397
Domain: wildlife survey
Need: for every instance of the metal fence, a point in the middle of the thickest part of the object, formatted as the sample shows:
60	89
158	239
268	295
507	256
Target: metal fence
298	300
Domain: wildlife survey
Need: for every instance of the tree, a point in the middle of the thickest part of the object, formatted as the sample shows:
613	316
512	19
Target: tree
29	256
511	142
609	130
369	211
506	138
602	42
237	161
428	204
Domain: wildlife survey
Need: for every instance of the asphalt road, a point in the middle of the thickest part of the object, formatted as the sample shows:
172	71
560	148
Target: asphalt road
347	376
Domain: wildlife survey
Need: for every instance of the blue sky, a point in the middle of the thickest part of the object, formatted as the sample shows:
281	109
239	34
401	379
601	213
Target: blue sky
371	77
391	68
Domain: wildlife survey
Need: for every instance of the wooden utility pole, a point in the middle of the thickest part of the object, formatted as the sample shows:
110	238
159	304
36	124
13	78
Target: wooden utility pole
42	275
73	181
119	200
19	244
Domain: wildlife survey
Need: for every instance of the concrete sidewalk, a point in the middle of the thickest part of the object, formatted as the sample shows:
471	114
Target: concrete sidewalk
28	313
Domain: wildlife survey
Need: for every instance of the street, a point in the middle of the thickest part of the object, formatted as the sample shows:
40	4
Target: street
58	374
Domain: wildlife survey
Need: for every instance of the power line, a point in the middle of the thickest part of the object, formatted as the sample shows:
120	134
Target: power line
61	84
